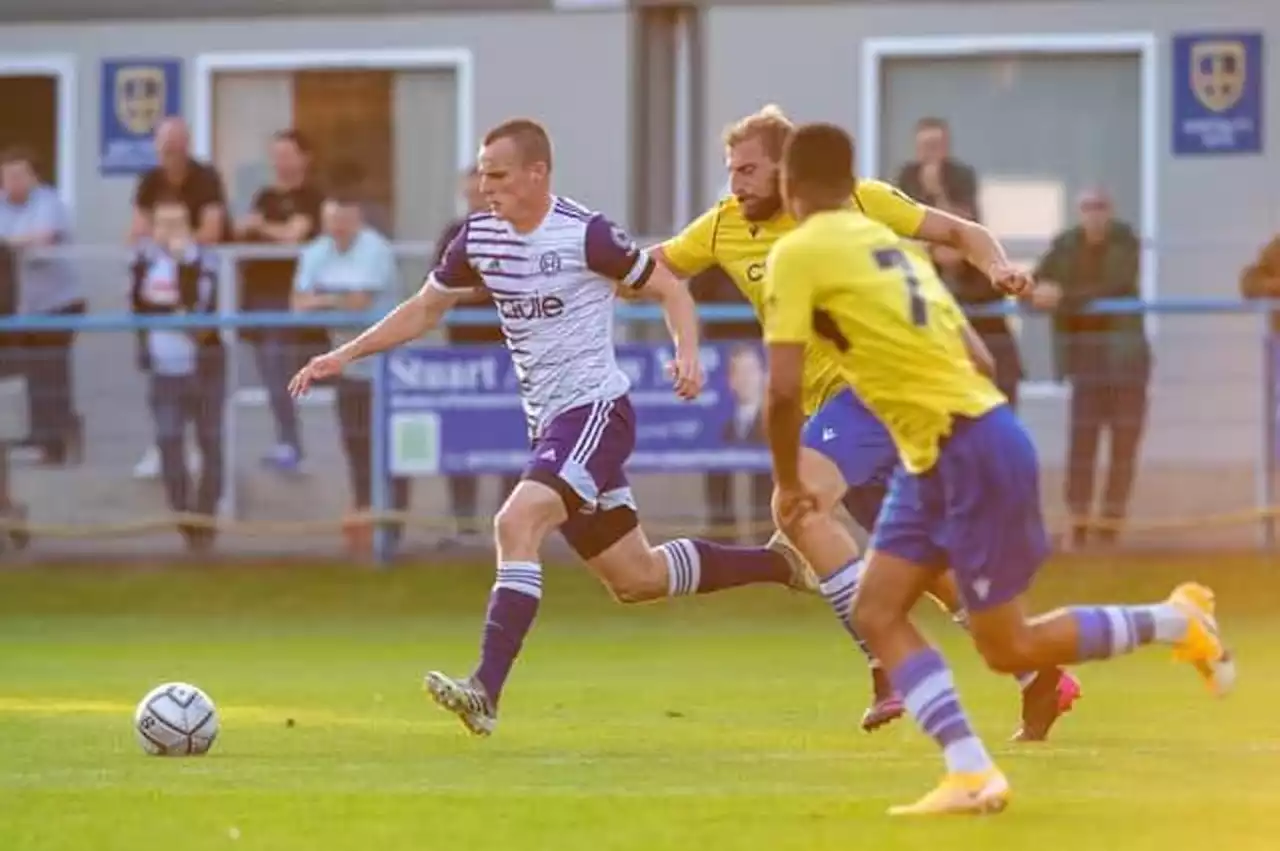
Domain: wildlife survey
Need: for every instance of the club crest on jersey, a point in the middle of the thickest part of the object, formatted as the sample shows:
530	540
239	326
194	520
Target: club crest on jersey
1218	72
622	239
549	263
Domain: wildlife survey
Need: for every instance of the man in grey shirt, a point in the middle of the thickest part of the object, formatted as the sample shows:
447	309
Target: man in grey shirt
32	217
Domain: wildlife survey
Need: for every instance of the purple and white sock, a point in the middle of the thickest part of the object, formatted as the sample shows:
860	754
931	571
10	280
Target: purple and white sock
703	567
929	692
513	604
1104	632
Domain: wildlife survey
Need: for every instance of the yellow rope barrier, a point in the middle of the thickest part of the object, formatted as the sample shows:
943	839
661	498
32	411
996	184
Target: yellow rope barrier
297	528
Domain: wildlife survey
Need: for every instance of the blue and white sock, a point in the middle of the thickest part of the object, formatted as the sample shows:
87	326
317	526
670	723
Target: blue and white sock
839	589
1103	632
929	692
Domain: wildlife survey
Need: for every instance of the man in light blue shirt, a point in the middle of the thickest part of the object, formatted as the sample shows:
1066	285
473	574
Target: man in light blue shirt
32	217
351	267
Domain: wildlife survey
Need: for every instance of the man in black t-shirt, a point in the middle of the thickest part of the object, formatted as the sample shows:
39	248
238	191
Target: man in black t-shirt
198	187
286	213
194	184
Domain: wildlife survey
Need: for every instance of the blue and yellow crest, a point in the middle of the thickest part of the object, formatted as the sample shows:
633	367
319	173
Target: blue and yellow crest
140	97
1219	70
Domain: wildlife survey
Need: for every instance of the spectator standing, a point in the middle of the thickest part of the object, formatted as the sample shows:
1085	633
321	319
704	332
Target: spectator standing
184	180
713	286
33	217
1105	357
286	213
10	365
463	490
934	177
972	289
173	274
198	187
352	267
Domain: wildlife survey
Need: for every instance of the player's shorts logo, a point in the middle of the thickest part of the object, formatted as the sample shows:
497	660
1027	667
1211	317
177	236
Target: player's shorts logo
549	263
755	272
140	98
1218	72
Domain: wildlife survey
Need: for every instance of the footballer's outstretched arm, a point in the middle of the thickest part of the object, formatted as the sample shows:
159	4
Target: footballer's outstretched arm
452	278
414	316
979	246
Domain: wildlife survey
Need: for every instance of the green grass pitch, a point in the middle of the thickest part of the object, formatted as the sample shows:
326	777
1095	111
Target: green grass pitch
710	724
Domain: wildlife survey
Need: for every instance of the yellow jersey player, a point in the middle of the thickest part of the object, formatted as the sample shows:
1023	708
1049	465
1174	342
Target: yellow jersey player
966	494
847	455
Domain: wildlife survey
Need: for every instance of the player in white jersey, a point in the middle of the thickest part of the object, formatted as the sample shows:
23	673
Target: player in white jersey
552	267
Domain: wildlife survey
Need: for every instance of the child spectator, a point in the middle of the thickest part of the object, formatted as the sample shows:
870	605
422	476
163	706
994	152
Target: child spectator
175	275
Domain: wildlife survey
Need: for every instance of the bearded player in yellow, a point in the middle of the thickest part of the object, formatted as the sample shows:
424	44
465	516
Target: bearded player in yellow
848	456
966	495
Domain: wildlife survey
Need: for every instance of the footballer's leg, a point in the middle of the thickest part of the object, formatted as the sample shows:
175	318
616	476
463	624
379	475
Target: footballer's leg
531	512
1047	694
849	445
823	539
846	457
616	549
576	453
901	566
1002	547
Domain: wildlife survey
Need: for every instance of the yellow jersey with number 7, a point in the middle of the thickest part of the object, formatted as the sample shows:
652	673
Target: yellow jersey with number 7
846	285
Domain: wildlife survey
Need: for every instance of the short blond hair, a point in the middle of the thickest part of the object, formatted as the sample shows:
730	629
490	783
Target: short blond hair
770	125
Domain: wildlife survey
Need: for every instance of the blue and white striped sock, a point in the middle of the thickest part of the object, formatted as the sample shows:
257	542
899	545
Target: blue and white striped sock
1106	631
839	590
928	689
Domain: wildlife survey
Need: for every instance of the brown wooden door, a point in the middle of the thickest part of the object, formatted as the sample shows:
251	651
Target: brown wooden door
31	120
348	115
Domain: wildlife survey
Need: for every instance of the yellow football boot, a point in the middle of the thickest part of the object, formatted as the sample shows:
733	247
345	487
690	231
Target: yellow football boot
983	793
1202	646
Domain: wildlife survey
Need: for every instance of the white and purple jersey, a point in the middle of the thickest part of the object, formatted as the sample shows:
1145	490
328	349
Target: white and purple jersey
554	289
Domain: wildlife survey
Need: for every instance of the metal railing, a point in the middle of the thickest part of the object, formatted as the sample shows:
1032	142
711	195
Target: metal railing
1199	486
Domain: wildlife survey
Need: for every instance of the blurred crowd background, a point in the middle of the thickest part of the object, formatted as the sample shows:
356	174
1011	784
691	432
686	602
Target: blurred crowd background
217	158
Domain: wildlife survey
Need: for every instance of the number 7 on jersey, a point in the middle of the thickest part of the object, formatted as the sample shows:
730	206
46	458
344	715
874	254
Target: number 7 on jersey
889	259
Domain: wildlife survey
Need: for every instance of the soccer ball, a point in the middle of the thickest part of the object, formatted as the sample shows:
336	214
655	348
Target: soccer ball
176	719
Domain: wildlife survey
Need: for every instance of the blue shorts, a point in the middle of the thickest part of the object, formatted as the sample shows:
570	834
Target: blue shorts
977	511
860	447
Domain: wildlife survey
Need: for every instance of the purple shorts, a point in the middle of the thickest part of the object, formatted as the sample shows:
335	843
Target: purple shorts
581	452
